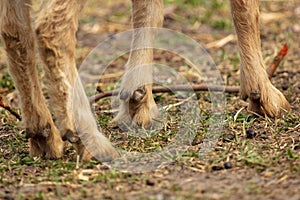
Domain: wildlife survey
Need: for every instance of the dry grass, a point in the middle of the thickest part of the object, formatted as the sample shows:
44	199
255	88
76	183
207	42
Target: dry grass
241	165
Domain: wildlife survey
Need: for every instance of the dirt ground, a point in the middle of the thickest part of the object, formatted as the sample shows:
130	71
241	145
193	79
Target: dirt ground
253	158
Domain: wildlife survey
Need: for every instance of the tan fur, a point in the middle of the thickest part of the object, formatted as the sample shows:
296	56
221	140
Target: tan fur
264	97
18	39
55	30
255	84
146	13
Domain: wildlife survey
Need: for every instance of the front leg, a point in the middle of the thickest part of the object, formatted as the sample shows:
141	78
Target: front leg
255	84
18	40
137	105
55	29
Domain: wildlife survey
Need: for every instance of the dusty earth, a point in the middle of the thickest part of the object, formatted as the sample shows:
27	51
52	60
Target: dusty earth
253	158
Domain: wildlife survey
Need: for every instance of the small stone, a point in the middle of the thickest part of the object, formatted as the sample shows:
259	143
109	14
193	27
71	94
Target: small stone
196	142
227	165
297	147
228	137
150	182
216	168
285	86
250	133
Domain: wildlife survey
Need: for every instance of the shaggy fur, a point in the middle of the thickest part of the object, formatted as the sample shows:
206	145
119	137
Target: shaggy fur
55	31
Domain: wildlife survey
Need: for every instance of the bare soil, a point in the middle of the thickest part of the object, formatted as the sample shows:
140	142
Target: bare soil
265	165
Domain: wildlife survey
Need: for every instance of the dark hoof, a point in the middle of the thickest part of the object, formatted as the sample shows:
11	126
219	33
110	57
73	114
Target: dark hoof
138	94
45	132
28	134
42	132
71	137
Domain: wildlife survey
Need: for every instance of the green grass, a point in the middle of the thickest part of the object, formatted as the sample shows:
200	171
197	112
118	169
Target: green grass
7	82
271	151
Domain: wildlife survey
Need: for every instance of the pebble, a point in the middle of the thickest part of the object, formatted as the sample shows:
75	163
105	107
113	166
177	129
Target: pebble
227	165
216	168
150	182
228	137
250	133
285	86
297	147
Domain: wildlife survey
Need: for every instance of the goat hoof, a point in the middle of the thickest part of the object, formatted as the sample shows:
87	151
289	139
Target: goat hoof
255	95
71	137
138	94
135	96
42	132
45	132
28	134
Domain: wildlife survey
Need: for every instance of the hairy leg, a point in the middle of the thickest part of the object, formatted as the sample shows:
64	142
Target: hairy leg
137	104
18	39
255	85
55	29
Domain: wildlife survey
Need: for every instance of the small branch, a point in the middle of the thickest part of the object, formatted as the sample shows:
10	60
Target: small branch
276	61
220	43
170	106
199	87
5	135
176	88
9	109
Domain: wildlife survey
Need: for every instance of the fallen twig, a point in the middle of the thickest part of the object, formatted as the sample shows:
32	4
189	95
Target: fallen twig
9	109
297	127
176	88
5	135
220	43
276	61
168	107
199	87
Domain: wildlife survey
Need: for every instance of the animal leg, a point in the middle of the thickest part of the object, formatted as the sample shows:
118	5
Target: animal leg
255	84
136	100
56	27
18	39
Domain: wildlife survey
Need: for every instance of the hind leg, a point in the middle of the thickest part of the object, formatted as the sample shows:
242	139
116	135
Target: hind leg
137	104
255	84
18	39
